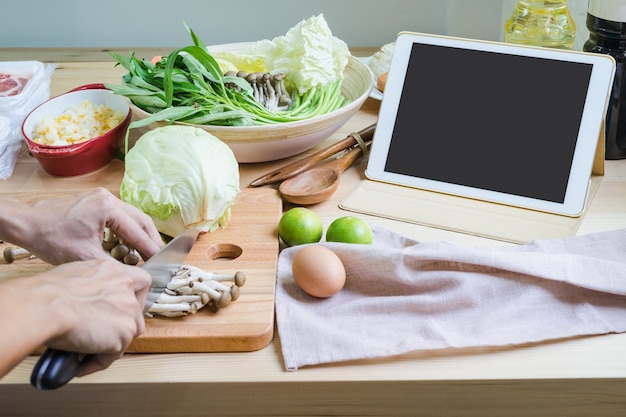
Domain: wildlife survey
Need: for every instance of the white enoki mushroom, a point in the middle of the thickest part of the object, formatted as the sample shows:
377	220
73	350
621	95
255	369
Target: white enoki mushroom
192	288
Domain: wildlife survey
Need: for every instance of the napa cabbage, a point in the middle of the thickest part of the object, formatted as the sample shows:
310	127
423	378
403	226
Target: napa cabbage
308	55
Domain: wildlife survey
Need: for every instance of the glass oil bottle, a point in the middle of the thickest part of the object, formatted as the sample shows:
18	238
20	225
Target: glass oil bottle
546	23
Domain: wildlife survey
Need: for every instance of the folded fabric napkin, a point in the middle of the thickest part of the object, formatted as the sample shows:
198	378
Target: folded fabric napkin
402	295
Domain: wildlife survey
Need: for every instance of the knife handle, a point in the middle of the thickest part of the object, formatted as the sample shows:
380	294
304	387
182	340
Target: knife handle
56	368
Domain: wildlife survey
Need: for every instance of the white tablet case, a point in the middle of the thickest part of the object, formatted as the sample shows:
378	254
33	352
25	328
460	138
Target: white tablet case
467	215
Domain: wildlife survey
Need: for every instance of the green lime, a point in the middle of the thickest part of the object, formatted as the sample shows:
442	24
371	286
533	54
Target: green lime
349	229
300	225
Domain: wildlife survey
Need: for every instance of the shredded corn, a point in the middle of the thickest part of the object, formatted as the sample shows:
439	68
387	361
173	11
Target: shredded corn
77	124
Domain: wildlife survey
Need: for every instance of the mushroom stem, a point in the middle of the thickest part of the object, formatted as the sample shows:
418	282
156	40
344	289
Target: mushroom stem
177	283
267	89
216	285
168	313
222	298
12	253
165	298
192	285
210	291
239	278
186	307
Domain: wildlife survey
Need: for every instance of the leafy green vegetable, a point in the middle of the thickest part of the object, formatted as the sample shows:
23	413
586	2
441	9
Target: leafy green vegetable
308	54
190	182
188	86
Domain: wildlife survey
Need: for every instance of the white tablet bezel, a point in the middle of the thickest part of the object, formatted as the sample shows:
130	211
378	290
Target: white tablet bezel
599	87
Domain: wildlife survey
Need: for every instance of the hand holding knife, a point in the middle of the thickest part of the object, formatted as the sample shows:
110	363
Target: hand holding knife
56	367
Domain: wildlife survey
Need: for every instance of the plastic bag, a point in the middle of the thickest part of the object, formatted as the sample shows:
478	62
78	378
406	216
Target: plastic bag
14	108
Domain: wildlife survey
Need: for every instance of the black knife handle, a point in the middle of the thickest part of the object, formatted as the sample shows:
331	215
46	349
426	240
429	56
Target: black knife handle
56	368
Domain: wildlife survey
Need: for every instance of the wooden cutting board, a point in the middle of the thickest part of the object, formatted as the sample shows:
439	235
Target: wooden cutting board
247	324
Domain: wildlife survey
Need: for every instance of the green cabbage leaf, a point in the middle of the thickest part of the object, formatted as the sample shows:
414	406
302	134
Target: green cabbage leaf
183	177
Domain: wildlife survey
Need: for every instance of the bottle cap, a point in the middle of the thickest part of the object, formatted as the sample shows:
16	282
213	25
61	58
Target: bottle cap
614	10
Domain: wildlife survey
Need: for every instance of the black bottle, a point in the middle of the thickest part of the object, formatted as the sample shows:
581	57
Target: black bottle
606	21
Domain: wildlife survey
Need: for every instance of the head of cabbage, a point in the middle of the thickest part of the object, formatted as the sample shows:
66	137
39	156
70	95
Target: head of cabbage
183	177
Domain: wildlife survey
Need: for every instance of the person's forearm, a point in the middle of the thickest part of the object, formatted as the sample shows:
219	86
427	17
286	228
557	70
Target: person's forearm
29	324
32	321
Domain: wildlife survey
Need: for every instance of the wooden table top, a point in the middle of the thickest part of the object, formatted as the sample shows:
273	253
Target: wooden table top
582	376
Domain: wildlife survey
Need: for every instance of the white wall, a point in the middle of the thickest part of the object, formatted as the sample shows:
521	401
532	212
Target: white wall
158	23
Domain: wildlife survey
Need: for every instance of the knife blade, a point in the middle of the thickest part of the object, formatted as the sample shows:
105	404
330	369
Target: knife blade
56	368
164	264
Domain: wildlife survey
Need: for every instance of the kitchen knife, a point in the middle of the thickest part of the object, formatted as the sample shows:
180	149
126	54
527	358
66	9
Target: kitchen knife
56	368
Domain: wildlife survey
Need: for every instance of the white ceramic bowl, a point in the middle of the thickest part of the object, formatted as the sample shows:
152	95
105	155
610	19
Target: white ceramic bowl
281	140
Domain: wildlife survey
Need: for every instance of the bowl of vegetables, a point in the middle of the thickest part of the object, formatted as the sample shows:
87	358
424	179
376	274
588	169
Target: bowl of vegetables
262	112
77	132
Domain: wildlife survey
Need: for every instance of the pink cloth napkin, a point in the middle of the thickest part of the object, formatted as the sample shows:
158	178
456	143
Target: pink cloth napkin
402	295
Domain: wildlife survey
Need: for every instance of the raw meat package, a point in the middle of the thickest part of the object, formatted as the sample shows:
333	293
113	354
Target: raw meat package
23	86
13	84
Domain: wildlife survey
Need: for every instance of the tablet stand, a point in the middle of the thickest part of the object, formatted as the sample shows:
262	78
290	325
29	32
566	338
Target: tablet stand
466	215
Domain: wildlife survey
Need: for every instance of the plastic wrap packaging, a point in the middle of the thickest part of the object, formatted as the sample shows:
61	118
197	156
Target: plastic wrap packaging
23	86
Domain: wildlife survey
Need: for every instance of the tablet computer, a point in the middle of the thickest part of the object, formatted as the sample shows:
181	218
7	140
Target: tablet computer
490	121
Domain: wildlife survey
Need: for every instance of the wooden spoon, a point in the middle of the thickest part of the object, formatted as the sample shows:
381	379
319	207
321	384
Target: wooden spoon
318	183
303	164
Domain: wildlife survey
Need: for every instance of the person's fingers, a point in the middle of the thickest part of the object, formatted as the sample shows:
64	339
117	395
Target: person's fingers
142	282
137	229
141	285
98	363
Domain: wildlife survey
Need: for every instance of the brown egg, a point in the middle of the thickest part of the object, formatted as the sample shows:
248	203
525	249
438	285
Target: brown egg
318	271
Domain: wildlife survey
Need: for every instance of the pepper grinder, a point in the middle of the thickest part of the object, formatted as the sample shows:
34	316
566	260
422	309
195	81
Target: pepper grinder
606	21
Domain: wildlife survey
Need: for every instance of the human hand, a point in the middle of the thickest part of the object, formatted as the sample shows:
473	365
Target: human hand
101	302
71	228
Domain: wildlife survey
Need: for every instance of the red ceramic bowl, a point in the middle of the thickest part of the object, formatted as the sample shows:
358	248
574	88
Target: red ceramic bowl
84	157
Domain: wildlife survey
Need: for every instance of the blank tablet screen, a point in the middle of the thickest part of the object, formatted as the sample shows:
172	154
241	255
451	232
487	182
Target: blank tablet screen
488	120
